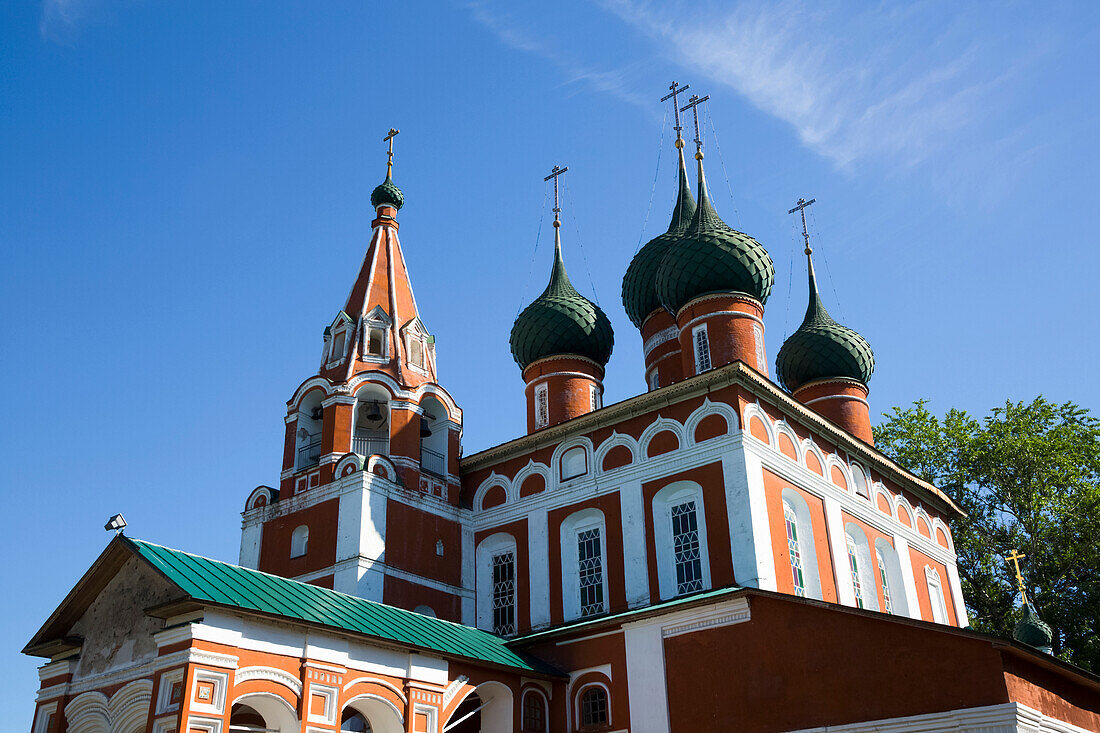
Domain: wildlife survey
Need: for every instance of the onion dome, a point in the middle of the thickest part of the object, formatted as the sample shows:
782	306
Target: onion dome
1033	631
712	257
387	194
821	348
639	291
561	321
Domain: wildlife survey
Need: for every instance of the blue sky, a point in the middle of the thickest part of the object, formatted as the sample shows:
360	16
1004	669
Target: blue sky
185	196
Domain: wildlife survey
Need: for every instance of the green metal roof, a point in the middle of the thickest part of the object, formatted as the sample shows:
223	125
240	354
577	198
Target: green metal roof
561	321
223	584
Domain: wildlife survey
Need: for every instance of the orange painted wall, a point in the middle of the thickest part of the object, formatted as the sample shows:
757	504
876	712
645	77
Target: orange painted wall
320	550
919	561
518	530
773	493
411	536
613	563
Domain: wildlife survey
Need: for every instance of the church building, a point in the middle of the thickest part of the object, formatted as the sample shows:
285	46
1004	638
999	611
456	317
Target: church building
724	551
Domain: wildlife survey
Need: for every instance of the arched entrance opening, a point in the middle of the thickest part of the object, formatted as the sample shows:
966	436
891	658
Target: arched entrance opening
466	717
371	714
488	709
263	713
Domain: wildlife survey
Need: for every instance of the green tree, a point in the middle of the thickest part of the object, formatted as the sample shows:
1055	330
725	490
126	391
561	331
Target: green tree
1028	477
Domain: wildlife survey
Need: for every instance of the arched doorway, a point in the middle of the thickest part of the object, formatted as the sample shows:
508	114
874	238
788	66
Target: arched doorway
371	714
353	721
488	709
466	717
263	713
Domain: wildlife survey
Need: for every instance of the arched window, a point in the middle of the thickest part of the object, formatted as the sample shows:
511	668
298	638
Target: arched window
860	565
353	721
935	595
594	712
800	544
371	429
680	531
574	462
299	541
542	405
859	478
584	565
308	433
496	584
794	549
434	435
534	713
887	601
702	349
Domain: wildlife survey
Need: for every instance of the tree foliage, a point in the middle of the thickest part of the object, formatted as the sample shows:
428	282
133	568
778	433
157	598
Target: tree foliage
1028	477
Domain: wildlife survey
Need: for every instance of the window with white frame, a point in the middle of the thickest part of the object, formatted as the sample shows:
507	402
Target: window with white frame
416	352
794	550
594	393
496	568
935	595
299	541
584	564
654	380
680	533
853	567
376	341
859	478
594	708
702	349
590	571
542	405
339	345
504	593
685	547
574	462
800	538
861	566
884	579
758	336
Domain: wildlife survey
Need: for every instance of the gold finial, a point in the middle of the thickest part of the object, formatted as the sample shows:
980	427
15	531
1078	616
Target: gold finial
389	155
1015	557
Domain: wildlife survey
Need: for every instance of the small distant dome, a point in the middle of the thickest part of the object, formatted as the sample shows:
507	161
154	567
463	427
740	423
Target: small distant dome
1033	631
387	194
712	257
561	321
821	348
639	289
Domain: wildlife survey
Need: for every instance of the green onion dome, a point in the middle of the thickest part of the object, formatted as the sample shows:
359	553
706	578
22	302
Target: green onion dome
1033	631
639	291
821	348
712	257
561	321
387	194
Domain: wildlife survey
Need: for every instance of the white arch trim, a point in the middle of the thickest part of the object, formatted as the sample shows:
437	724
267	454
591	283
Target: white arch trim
879	489
496	713
306	386
454	412
276	712
614	441
376	681
559	451
901	504
832	461
808	447
938	524
494	479
658	426
708	408
269	674
782	428
87	713
525	473
383	715
129	707
753	409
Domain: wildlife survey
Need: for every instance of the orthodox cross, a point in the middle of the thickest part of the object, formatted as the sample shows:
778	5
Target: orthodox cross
389	156
1015	557
676	89
800	207
557	171
693	104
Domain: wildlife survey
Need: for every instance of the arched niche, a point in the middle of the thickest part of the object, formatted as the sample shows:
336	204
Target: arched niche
275	713
381	714
370	423
435	436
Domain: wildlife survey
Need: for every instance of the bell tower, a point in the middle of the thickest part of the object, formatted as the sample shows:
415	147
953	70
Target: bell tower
368	492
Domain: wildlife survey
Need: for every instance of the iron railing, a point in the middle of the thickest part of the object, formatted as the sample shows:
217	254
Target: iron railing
432	462
310	453
369	445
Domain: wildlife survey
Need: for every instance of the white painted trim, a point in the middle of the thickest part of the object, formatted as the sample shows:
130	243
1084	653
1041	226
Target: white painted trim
675	494
834	524
538	543
571	526
905	559
269	674
851	398
1010	717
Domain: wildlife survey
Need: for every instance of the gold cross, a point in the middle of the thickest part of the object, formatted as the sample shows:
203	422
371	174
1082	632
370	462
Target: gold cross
1015	557
557	171
693	104
676	89
389	156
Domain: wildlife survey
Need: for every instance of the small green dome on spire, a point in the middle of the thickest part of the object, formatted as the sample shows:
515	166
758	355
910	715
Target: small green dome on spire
712	257
560	322
1033	631
821	348
387	194
639	289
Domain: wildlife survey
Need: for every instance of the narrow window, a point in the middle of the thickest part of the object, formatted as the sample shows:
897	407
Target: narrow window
702	350
376	340
416	352
654	381
792	548
542	406
338	344
853	565
685	544
299	541
504	593
886	602
935	596
533	713
761	361
590	567
595	393
594	707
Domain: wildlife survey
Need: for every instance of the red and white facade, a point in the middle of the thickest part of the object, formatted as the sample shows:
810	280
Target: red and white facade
714	553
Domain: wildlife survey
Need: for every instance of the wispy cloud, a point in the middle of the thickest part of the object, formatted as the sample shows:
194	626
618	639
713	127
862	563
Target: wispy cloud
510	32
851	89
59	19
